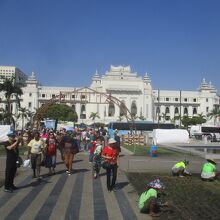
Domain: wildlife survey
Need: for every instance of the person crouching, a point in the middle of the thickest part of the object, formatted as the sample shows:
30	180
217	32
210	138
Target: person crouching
179	169
148	202
209	170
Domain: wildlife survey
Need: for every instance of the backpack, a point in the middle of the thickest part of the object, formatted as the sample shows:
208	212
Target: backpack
51	149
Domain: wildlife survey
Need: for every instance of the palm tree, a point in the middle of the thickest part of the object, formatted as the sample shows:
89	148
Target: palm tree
23	114
5	117
215	113
93	116
9	87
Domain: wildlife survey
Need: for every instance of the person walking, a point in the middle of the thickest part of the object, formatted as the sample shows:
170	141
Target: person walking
69	150
12	152
36	150
97	158
51	153
110	154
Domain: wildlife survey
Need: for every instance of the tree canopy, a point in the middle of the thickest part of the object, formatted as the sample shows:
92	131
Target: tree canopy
61	112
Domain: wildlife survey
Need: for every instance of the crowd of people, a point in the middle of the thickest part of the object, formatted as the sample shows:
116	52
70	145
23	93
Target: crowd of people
42	148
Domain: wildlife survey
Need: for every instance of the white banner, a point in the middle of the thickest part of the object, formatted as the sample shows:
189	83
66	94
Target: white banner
4	130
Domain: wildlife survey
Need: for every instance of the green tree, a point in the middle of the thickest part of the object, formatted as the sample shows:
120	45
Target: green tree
61	112
93	116
215	113
23	114
9	87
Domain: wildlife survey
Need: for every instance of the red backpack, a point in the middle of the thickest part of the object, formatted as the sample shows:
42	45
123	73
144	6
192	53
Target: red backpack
51	148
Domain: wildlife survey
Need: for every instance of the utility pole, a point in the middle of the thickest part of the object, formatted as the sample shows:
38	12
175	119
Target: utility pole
158	108
180	106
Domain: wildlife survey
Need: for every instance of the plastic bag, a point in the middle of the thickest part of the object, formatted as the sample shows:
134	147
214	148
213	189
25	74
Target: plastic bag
26	163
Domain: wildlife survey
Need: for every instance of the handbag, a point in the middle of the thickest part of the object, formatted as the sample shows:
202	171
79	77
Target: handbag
106	165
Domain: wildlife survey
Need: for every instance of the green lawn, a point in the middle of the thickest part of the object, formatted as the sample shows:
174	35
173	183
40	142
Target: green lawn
145	150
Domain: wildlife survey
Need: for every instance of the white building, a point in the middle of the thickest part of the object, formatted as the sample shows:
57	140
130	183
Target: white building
133	90
12	71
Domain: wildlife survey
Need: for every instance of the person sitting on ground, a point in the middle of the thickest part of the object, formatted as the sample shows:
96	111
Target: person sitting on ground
148	202
179	169
209	170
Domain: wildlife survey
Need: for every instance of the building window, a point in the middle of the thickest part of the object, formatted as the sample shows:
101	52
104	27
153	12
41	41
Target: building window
185	111
83	96
167	111
73	96
29	104
123	110
185	99
207	109
176	99
194	111
207	100
158	110
133	108
43	95
30	94
53	95
176	111
194	100
74	107
167	99
111	109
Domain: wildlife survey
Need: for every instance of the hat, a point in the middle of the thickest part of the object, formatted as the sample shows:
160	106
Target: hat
211	161
156	184
11	134
112	141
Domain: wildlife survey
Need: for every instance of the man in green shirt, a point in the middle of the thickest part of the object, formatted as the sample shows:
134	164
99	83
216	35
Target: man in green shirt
179	169
209	170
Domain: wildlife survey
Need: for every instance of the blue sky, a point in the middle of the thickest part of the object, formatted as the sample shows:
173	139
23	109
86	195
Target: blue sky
65	41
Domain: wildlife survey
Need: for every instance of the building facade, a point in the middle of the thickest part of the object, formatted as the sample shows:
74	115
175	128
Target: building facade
131	90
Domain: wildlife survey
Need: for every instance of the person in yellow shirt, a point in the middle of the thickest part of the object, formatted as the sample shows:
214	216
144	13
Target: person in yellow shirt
36	150
179	169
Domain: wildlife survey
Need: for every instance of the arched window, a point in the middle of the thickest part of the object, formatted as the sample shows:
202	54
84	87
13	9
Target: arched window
158	110
167	110
83	109
83	112
111	110
176	111
133	108
74	107
185	111
194	111
123	110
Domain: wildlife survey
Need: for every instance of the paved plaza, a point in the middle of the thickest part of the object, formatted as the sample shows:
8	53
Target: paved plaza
79	196
69	197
